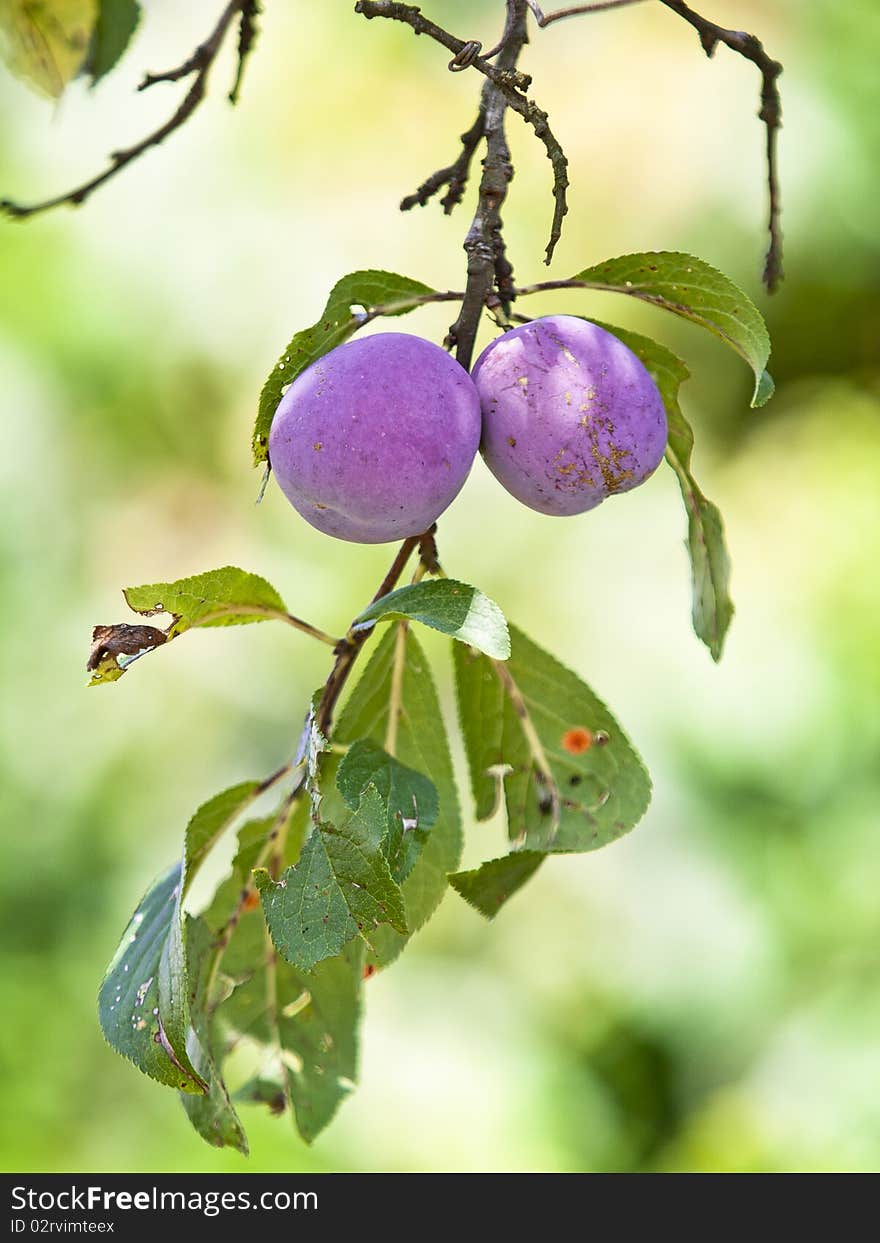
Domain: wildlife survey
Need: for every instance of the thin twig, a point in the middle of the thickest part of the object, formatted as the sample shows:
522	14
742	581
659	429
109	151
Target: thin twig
545	19
349	648
247	34
504	76
200	64
455	175
752	49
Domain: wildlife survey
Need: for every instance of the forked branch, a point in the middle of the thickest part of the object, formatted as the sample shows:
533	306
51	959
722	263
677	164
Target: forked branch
198	67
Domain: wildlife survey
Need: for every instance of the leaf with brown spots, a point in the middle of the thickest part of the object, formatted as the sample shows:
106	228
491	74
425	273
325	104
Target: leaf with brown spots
111	644
517	719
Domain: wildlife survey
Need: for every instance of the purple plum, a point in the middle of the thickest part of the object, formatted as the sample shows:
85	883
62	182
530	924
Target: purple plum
374	440
570	415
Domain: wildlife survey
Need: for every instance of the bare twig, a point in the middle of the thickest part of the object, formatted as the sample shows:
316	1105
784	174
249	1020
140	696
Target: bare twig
199	64
751	48
484	245
576	10
247	34
504	76
455	175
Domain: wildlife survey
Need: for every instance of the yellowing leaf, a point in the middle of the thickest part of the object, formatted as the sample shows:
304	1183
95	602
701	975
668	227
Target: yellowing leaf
45	42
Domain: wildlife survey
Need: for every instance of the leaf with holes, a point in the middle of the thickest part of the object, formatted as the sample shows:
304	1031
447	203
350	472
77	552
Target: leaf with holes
451	607
224	597
212	1115
536	733
712	609
353	300
303	1026
688	287
142	1004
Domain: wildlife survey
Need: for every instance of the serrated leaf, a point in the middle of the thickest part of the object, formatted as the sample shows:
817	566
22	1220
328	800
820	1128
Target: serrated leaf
489	886
341	886
410	799
211	820
45	42
212	1115
142	1004
420	744
712	609
534	731
377	293
694	290
116	23
453	608
224	597
306	1024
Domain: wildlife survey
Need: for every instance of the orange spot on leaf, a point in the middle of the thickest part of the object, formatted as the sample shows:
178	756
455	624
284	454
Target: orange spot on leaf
577	741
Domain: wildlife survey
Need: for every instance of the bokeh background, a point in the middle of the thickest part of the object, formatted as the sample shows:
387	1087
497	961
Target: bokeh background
703	995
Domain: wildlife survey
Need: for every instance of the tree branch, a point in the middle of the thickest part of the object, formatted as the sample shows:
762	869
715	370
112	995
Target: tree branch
349	649
751	48
200	64
504	77
455	175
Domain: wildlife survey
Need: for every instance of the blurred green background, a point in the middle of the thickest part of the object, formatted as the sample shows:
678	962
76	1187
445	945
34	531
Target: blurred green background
704	994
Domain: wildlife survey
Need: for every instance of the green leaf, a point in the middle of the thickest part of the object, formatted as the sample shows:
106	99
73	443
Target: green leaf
142	1004
688	287
489	886
451	607
536	733
410	798
211	820
304	1024
370	293
422	746
212	1115
45	42
341	886
117	22
712	609
225	597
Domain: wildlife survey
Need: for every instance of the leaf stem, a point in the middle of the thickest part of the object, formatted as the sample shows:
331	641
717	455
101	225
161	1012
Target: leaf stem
257	610
549	795
395	699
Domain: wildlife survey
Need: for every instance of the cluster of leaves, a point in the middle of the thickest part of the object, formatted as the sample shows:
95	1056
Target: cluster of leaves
50	42
329	885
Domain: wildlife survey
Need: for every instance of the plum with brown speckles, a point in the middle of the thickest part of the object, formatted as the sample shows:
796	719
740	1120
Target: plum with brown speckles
570	415
374	440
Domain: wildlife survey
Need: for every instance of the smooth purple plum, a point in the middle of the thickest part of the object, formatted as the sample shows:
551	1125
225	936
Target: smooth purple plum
374	440
570	415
